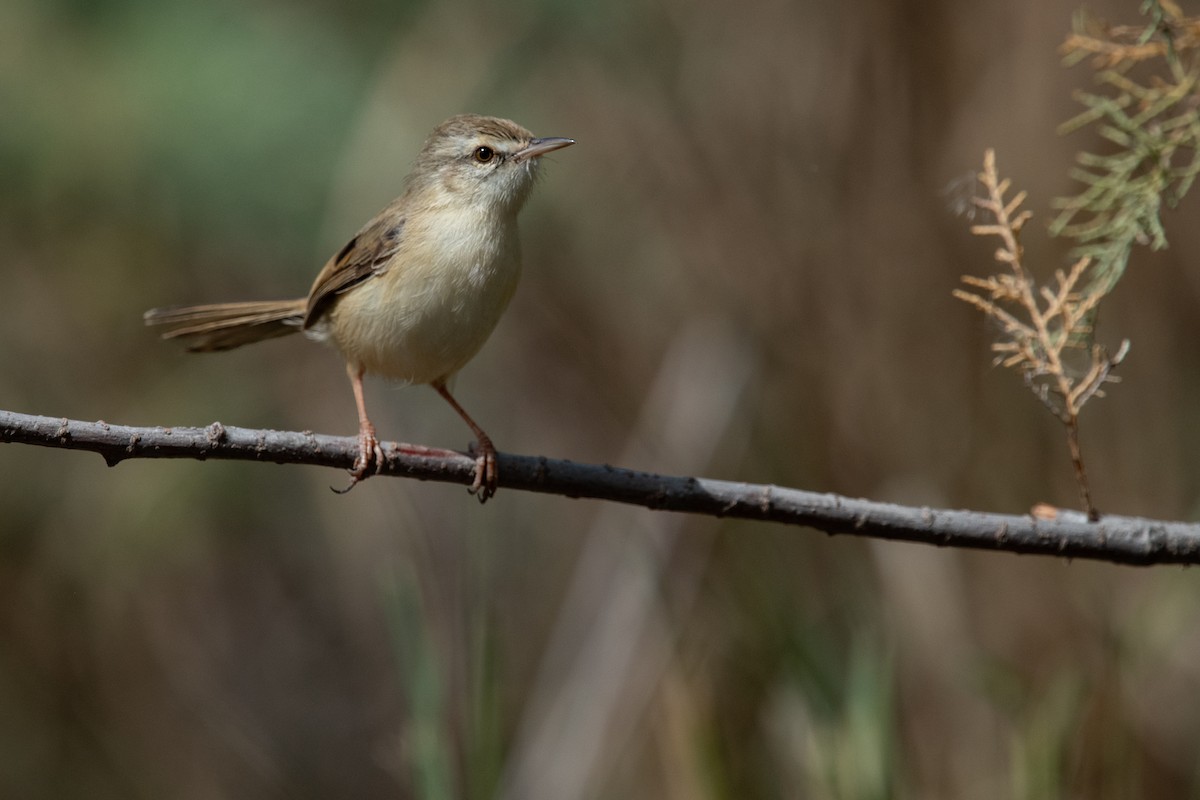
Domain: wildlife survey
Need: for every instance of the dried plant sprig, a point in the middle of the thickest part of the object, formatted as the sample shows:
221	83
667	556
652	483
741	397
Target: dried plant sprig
1153	125
1111	46
1047	331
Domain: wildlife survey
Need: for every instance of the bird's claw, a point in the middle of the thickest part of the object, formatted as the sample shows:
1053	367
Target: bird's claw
487	473
370	453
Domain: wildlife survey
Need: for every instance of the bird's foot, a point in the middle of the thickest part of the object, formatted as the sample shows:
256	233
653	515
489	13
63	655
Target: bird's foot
369	454
486	472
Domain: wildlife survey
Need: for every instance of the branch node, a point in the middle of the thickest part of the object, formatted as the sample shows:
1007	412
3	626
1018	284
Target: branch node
216	433
764	502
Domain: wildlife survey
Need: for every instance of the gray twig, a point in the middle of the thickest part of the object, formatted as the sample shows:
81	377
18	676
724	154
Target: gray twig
1124	540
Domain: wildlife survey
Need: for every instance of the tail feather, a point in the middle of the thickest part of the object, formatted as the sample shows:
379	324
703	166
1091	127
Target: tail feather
224	326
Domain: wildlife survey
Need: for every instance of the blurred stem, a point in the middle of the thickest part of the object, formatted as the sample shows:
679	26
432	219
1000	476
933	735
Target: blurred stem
1072	421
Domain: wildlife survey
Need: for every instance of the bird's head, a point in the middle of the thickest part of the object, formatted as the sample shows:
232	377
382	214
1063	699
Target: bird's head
480	160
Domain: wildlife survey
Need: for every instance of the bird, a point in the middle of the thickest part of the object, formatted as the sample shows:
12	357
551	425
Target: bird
414	295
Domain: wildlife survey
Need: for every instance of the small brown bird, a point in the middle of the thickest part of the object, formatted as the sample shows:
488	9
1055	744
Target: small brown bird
415	294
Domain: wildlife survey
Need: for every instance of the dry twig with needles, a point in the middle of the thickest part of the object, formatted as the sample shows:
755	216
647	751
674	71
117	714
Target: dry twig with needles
1113	46
1147	111
1045	330
1149	115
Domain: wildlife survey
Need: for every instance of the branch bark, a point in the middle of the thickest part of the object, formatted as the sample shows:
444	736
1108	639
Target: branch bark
1123	540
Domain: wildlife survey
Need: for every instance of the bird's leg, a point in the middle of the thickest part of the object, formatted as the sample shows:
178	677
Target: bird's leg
368	446
486	471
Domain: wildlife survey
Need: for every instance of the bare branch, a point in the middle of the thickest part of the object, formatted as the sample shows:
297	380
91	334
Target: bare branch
1124	540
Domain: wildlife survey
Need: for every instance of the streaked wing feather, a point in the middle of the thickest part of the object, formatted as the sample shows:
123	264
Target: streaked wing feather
367	254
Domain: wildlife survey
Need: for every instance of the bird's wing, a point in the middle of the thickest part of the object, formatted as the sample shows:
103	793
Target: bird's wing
366	255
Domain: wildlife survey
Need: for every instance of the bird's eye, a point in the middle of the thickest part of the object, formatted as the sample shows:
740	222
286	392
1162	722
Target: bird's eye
484	154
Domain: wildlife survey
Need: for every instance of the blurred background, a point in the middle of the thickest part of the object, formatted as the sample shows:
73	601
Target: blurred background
743	270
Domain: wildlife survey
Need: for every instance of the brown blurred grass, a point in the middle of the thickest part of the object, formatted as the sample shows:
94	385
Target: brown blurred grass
757	190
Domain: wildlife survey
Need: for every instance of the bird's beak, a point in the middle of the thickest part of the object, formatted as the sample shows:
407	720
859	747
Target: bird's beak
539	147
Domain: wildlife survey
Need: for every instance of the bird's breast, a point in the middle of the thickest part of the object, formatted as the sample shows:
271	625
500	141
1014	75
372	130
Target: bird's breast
433	306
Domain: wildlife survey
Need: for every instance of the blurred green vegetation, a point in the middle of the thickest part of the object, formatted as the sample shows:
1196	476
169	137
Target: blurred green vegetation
742	270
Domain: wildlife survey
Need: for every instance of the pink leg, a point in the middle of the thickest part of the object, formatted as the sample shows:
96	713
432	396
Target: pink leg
368	446
486	472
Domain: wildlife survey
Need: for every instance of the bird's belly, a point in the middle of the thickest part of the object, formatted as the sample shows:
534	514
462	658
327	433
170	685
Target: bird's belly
422	323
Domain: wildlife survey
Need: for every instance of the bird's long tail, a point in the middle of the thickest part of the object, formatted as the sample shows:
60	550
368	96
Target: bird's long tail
224	326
